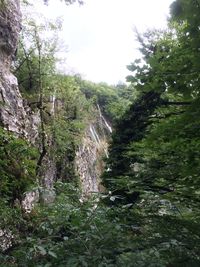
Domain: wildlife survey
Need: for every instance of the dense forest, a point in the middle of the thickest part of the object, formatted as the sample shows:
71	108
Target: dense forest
147	212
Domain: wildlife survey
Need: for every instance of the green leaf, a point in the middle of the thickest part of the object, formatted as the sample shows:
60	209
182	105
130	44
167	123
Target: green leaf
51	253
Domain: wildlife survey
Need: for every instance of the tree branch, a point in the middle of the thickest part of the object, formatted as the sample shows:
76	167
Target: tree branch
176	103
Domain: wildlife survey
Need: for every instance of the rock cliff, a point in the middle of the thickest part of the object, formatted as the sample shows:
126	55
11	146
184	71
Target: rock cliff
18	118
14	116
89	157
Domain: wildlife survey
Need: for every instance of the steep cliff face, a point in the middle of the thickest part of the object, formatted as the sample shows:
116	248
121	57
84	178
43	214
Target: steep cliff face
11	108
13	115
89	157
18	118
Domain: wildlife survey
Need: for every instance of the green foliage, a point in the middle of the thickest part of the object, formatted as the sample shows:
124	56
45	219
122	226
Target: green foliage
36	57
131	128
3	4
61	105
113	100
68	233
67	125
154	153
17	166
72	233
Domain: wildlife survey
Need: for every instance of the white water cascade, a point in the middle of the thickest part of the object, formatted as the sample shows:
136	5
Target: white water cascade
53	101
104	121
94	134
89	157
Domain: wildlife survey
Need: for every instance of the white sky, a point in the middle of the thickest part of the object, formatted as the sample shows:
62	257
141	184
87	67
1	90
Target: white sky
100	36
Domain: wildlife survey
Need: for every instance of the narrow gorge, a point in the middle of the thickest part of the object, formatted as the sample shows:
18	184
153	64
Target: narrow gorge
92	174
22	121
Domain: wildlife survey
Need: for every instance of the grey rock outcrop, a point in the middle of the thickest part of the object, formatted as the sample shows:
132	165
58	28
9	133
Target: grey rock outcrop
18	118
10	25
14	116
6	239
89	157
30	199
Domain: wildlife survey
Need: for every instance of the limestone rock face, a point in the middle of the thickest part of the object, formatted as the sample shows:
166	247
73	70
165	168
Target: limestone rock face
6	238
30	199
89	157
88	168
17	117
10	25
13	114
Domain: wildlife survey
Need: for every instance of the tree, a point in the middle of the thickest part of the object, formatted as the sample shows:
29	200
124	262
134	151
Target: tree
17	167
153	162
35	66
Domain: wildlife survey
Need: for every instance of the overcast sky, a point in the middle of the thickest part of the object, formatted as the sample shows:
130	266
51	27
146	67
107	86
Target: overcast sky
100	36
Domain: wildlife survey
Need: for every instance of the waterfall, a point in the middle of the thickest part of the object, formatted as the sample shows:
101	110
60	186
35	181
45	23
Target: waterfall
97	140
53	100
106	152
89	157
104	120
94	134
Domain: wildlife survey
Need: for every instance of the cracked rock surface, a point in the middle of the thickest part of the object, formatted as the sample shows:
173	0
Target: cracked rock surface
14	116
